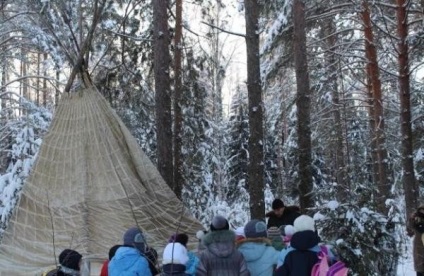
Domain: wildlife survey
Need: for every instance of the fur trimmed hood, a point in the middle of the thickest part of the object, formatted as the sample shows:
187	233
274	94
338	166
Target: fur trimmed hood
255	240
220	243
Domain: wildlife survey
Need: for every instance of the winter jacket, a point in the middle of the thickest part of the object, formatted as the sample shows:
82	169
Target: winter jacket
287	218
221	258
192	263
418	246
260	256
173	269
299	258
128	261
104	270
151	256
58	272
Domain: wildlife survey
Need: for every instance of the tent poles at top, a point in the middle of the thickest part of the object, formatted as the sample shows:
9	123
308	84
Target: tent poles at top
79	64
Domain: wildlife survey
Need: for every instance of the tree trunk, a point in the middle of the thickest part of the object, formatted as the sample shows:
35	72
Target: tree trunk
38	88
303	103
342	179
178	116
45	83
57	91
162	96
408	180
383	184
256	152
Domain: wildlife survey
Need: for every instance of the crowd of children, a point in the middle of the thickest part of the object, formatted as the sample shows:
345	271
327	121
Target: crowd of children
287	245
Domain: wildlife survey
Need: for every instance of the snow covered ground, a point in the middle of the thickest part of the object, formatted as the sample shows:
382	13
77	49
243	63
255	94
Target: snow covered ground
406	264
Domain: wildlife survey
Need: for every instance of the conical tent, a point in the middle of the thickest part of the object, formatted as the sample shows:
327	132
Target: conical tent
90	183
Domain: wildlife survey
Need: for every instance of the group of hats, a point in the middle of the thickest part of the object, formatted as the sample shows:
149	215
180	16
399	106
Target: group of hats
258	229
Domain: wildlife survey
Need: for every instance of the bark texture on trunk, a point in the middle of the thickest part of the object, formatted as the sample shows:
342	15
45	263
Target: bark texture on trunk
303	103
162	60
178	117
383	183
408	180
254	88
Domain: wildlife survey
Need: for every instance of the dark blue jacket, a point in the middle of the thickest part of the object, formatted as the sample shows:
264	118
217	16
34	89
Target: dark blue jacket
299	258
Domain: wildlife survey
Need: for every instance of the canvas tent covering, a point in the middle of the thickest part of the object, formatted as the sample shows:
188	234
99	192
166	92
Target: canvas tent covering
90	183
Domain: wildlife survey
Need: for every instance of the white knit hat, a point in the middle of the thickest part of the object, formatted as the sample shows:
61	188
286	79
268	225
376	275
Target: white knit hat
175	253
240	231
303	223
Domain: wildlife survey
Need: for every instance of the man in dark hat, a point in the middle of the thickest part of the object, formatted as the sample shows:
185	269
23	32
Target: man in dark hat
281	214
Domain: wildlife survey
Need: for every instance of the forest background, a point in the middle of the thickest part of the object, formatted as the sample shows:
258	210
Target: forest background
317	102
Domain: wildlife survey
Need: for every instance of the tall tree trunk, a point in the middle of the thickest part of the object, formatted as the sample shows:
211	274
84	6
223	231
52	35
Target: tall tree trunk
332	72
254	89
38	87
303	103
45	82
383	184
57	90
178	116
408	180
162	96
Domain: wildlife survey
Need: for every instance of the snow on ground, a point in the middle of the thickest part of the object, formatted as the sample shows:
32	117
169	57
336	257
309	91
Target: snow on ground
406	264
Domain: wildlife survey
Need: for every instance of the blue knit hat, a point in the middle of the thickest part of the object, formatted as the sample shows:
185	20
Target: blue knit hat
134	237
255	229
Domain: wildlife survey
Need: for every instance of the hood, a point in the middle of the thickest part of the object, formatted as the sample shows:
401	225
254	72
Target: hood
304	240
252	251
220	243
130	254
266	241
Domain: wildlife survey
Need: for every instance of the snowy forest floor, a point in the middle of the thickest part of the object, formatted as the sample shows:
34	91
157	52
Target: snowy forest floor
406	263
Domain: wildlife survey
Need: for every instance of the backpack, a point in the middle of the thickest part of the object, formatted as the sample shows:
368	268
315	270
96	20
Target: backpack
322	267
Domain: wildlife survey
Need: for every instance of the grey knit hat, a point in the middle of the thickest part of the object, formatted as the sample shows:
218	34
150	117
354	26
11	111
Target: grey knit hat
255	229
219	223
134	237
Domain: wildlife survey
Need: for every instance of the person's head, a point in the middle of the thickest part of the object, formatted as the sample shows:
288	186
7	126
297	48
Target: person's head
255	229
113	250
182	238
175	253
134	237
70	260
304	223
219	223
278	207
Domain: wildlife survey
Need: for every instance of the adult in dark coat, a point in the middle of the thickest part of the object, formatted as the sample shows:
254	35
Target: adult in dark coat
281	214
416	227
221	258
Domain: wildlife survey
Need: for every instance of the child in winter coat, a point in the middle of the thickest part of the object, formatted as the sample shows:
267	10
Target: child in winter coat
261	257
174	259
69	264
299	258
193	260
112	251
220	256
130	258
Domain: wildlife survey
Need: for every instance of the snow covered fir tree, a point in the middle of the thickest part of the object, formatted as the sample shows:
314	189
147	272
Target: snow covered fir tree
236	103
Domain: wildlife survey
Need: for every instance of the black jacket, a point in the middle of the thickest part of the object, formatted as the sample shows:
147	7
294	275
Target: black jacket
300	261
288	217
173	269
